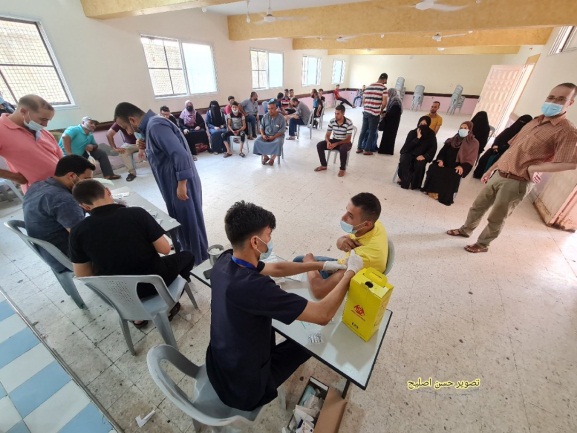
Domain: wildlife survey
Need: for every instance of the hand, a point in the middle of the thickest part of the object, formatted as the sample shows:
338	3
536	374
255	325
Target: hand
440	162
89	147
330	145
197	128
19	178
419	133
119	150
495	149
181	191
486	177
355	263
459	170
216	128
141	144
185	131
345	243
333	266
535	177
420	158
141	155
309	258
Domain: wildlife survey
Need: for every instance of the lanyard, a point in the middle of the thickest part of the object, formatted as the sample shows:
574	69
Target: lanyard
241	262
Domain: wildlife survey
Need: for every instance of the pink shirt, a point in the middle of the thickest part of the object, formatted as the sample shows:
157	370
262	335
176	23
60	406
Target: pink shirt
35	157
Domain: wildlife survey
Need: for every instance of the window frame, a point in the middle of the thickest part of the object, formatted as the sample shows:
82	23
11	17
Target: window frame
168	95
342	77
268	52
188	91
54	61
566	41
303	70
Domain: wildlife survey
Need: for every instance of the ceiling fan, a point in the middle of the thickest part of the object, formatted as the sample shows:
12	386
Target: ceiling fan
269	18
433	5
437	37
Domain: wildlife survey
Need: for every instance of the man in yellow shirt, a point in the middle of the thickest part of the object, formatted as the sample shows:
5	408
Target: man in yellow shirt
365	234
436	119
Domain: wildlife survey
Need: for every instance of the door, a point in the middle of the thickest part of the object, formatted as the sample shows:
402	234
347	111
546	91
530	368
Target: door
503	85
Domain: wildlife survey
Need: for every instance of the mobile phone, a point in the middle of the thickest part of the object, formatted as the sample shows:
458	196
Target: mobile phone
207	273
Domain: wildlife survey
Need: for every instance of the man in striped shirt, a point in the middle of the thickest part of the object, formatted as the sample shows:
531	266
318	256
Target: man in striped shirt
547	143
342	130
374	101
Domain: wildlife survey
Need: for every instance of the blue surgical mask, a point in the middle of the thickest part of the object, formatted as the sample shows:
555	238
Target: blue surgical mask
463	133
349	228
550	109
138	135
33	126
267	253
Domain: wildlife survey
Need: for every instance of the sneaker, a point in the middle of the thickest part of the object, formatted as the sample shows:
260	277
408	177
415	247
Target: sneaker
130	177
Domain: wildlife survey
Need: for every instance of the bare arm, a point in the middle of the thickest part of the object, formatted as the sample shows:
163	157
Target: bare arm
14	177
322	312
161	245
83	269
110	137
285	269
67	142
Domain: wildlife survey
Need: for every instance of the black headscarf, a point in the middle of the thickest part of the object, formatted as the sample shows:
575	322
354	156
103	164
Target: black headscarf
502	140
216	114
481	129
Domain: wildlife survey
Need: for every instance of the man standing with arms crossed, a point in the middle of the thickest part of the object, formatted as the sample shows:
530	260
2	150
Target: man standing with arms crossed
547	143
374	102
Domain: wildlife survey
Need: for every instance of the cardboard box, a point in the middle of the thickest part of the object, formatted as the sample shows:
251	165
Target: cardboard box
367	300
332	410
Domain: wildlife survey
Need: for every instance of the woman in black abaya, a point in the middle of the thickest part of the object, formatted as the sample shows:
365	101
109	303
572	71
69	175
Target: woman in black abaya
419	149
390	123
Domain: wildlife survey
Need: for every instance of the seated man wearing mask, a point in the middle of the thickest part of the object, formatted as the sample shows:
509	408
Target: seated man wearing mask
366	236
243	362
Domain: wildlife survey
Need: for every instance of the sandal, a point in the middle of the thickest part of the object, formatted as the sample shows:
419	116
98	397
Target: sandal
457	232
359	151
476	248
341	173
320	168
264	159
271	162
226	155
174	311
242	154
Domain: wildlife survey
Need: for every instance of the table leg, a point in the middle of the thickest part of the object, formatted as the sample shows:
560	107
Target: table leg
345	389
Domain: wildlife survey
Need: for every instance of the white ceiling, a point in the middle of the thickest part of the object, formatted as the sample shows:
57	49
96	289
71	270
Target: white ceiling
261	6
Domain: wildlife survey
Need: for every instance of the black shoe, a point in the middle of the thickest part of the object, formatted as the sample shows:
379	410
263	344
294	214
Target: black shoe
130	177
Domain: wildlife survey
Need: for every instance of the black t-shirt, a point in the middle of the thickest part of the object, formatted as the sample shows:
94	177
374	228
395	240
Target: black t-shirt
118	241
238	358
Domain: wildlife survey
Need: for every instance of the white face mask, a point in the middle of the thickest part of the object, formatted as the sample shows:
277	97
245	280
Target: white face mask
235	111
463	132
267	253
33	126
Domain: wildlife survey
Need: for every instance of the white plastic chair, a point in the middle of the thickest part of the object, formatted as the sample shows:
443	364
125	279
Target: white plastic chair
203	405
390	256
336	151
231	143
418	97
119	291
321	118
64	277
456	100
309	125
13	187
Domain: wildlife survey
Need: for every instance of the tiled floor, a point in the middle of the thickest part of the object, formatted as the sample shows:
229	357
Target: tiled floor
36	394
507	317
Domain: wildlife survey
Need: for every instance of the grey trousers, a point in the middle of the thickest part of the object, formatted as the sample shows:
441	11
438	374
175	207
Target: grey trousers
100	154
503	195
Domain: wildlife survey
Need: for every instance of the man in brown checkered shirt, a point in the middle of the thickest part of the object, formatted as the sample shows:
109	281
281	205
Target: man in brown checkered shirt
548	143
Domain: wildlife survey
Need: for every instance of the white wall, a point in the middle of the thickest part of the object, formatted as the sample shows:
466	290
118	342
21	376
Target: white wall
439	74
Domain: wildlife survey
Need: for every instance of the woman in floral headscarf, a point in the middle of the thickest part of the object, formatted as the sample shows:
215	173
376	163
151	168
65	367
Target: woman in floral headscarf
193	127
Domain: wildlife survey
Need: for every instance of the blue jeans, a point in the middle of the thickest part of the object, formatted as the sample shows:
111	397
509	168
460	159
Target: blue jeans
251	125
324	274
293	126
369	133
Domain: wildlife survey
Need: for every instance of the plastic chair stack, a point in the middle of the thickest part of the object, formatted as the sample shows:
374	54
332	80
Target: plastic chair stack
418	97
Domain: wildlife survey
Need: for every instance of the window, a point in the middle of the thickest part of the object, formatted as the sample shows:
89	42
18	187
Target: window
338	71
267	69
311	71
27	64
566	40
177	68
199	68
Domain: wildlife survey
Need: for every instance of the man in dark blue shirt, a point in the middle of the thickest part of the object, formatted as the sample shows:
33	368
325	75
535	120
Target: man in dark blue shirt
244	364
50	211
